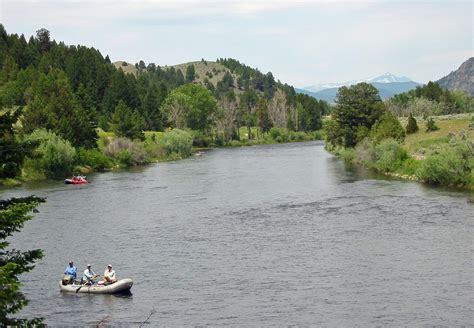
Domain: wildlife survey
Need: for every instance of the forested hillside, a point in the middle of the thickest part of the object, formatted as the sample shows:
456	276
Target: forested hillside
430	99
65	93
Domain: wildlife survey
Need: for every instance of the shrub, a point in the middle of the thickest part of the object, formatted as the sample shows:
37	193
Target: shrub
347	154
279	134
125	158
449	164
118	149
318	135
387	127
365	153
431	125
412	127
178	142
200	139
389	155
93	158
298	136
53	156
155	146
410	166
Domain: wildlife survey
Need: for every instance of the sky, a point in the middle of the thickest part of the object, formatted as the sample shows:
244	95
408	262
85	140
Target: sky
301	42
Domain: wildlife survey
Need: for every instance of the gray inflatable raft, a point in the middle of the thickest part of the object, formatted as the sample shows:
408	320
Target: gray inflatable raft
120	286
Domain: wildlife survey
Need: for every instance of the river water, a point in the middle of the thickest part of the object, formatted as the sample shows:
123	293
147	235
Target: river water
259	236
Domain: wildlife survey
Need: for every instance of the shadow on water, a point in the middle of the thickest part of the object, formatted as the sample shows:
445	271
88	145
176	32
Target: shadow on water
69	296
350	173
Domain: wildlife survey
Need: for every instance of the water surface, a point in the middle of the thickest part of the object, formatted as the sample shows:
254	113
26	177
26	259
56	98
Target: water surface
267	235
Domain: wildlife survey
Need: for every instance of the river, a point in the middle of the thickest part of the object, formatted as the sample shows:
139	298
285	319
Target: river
258	236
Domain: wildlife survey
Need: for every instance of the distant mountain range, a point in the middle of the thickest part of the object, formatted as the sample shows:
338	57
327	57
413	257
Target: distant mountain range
387	84
460	79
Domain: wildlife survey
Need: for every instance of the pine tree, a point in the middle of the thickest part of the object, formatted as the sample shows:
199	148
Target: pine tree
412	126
190	73
13	214
126	123
264	120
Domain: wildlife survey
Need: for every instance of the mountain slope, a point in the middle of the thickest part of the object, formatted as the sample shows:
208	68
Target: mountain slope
386	90
460	79
384	78
388	85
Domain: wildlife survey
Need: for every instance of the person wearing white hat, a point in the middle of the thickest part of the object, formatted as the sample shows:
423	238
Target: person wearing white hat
109	275
89	275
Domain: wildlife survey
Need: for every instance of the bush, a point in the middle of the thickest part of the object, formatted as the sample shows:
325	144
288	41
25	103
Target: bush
178	142
450	164
53	156
127	152
317	135
347	154
412	127
298	136
410	166
155	146
365	153
200	139
387	127
387	156
279	134
431	125
93	158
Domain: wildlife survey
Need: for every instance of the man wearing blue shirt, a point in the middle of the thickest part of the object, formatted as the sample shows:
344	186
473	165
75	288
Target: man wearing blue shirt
71	272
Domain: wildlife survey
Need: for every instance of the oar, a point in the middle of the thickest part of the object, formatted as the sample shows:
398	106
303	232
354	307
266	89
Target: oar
77	290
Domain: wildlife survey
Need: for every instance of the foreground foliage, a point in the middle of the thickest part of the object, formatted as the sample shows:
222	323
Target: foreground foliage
13	215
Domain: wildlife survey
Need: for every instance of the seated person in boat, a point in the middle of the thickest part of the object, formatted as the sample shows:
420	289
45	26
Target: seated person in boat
88	276
70	274
109	275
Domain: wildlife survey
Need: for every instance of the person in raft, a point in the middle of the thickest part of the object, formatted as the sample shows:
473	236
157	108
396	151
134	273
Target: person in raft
109	275
89	275
70	274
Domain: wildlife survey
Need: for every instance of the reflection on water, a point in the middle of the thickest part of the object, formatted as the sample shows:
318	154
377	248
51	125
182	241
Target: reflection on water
268	235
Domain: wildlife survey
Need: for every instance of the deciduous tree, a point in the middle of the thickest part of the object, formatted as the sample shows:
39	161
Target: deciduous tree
358	109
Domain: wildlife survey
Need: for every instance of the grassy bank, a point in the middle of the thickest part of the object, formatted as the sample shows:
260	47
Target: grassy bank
56	159
442	157
418	143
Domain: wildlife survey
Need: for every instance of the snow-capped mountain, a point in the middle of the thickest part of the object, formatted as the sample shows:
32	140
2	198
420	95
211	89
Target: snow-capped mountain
384	78
387	84
389	78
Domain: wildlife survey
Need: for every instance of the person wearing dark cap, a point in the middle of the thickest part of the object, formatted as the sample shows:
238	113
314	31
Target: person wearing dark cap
89	275
109	275
70	274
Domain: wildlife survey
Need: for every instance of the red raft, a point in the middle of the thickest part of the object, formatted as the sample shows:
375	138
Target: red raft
79	179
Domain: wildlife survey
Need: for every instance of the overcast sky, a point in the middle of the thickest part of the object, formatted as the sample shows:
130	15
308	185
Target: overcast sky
300	42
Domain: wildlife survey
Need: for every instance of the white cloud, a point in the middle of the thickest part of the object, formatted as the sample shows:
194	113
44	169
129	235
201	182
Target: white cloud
301	42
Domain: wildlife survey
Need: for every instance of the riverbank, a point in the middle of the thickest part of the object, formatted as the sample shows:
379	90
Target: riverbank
443	157
120	153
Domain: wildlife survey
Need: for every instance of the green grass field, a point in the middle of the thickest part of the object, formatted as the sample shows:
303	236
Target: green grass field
447	124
